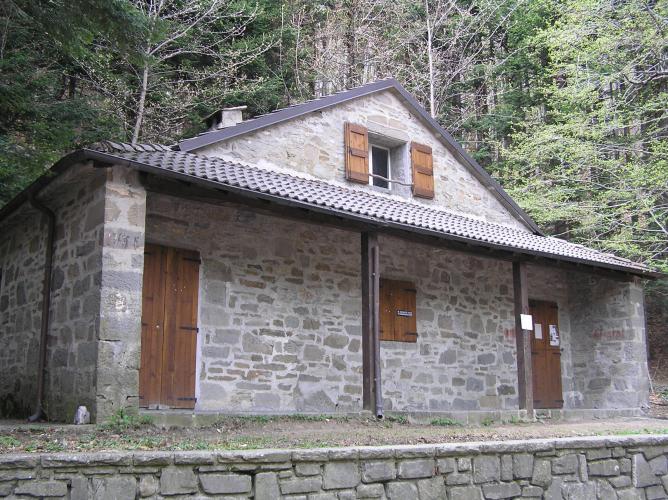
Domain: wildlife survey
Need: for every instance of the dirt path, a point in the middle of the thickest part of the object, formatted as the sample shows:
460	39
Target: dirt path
300	431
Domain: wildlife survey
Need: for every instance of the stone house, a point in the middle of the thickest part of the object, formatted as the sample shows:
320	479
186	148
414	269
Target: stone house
340	255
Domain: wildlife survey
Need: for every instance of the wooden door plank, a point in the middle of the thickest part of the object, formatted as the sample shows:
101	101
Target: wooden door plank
169	336
186	328
180	331
547	359
150	371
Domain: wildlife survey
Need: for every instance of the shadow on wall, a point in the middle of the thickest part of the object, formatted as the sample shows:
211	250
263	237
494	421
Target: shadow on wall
656	310
10	407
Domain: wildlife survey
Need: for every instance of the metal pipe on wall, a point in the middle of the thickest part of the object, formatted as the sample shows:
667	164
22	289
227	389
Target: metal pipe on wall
378	395
46	304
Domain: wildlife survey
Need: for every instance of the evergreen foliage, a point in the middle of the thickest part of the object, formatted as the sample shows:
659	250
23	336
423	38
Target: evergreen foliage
564	101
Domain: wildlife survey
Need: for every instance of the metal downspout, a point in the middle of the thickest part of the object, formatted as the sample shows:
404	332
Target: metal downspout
376	333
46	303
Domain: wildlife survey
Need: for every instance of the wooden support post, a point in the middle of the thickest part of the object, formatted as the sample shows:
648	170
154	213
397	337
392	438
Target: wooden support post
523	338
370	323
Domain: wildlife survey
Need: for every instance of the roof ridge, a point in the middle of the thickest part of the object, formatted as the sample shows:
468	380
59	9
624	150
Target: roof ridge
107	146
389	84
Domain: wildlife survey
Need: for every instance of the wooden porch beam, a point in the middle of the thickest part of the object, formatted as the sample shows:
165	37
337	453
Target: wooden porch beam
523	338
371	377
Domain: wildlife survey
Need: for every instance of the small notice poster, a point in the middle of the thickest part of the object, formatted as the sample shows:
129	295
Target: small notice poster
538	331
554	335
527	321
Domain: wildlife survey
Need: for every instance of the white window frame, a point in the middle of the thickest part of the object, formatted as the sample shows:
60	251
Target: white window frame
389	166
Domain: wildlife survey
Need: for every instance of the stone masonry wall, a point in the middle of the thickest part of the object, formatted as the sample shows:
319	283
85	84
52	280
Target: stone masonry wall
607	468
21	265
608	343
314	144
120	292
280	307
75	197
94	330
464	357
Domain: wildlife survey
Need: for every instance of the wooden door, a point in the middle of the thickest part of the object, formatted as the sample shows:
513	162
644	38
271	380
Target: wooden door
169	327
546	355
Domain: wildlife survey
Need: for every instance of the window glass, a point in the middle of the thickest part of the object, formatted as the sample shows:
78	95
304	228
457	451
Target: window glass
380	159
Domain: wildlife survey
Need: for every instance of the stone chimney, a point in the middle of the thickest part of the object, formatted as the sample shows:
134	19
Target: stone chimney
223	118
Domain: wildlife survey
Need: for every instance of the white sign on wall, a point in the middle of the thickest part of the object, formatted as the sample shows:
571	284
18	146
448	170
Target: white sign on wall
538	331
527	321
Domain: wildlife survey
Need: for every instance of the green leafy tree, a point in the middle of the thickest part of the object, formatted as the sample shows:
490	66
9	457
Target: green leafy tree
46	108
594	166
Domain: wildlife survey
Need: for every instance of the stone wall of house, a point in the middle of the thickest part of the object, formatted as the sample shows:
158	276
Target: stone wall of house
76	198
94	327
280	307
608	343
280	316
580	468
120	292
21	267
464	357
314	144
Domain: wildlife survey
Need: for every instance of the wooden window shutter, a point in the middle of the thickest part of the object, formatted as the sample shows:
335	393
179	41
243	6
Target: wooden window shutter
386	310
357	153
422	162
398	319
405	321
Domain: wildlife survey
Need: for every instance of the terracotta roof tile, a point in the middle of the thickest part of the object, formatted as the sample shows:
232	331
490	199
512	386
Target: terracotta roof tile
367	204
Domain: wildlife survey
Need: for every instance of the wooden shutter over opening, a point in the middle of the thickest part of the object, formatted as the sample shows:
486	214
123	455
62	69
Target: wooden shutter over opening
357	153
422	162
152	326
178	363
398	318
169	327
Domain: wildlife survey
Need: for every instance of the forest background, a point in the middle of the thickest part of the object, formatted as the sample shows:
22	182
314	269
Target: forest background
565	102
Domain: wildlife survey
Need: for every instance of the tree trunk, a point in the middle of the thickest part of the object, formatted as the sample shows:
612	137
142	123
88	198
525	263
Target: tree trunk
430	57
141	105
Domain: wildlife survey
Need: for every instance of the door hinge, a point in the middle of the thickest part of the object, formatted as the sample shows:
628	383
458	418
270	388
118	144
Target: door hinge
191	328
186	399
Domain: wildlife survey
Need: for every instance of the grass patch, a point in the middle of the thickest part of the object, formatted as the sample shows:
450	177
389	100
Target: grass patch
397	419
9	442
315	418
123	420
515	421
487	421
446	422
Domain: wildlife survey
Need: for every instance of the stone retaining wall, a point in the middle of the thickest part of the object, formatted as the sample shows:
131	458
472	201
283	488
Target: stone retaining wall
573	468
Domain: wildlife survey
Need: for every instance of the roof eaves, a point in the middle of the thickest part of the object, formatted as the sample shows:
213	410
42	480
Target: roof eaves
114	158
372	220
